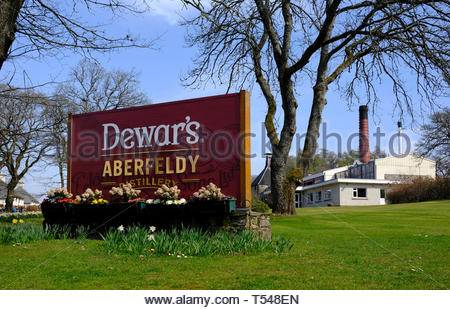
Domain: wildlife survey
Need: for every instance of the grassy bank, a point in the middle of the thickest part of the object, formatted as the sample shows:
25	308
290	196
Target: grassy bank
402	246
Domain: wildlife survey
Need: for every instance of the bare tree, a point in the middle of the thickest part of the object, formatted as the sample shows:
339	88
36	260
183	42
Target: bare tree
277	42
57	112
89	88
24	135
435	141
36	27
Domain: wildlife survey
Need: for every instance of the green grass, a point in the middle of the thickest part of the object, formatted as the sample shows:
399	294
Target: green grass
403	246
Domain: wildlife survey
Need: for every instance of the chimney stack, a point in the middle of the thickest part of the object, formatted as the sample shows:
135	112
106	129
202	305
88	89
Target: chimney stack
364	152
2	177
21	185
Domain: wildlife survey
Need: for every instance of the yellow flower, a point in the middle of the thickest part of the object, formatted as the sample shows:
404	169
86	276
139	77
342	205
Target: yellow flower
153	250
100	200
95	201
20	221
14	221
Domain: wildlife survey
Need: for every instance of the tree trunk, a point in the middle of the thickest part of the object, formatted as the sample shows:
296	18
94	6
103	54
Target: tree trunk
9	10
282	189
278	172
315	119
319	101
10	196
61	172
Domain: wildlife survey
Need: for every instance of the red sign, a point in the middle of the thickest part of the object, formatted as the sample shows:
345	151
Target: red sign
187	143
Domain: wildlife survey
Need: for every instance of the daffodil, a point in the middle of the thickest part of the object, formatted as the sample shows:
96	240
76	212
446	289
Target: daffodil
95	201
14	221
152	228
120	228
20	221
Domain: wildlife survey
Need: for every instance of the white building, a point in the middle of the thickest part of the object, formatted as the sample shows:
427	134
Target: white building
360	183
21	197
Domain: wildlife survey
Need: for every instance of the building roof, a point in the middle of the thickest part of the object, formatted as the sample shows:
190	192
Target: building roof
329	171
264	177
18	192
346	181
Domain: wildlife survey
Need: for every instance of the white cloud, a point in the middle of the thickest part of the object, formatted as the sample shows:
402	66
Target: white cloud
171	10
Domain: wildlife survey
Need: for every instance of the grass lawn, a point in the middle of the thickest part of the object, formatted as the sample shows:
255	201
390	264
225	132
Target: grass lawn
403	246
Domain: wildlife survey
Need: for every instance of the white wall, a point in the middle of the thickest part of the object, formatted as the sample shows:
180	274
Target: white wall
409	165
16	203
323	203
342	195
373	194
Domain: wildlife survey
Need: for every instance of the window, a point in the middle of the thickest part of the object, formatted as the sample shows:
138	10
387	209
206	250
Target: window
382	193
327	194
359	192
310	197
318	196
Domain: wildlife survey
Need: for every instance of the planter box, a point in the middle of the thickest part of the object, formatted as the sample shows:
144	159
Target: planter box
200	214
212	207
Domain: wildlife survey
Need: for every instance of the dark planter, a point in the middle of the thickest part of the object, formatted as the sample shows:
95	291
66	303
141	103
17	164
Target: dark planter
207	215
164	217
54	213
213	206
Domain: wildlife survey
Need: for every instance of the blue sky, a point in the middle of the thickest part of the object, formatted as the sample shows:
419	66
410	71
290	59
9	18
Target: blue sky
160	71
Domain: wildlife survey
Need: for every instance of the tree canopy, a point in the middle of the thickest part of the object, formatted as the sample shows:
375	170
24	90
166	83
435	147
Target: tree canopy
47	27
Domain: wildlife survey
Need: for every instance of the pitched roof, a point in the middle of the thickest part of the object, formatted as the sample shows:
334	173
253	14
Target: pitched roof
264	177
18	192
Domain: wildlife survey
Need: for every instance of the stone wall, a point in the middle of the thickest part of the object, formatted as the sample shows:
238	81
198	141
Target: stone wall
242	219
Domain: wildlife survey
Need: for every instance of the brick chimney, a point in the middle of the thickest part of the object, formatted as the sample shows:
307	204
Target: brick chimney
364	152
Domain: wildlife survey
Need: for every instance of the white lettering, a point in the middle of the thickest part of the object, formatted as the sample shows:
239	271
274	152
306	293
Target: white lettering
124	140
146	136
106	136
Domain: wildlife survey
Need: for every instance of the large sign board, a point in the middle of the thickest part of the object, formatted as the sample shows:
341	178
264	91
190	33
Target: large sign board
187	143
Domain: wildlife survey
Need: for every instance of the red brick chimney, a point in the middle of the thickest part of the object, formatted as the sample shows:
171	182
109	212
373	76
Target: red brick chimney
364	152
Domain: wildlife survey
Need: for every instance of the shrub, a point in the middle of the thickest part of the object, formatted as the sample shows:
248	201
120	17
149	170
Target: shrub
33	208
420	189
260	206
